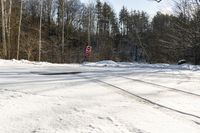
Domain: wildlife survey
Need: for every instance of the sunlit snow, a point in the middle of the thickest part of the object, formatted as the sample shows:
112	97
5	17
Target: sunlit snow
99	97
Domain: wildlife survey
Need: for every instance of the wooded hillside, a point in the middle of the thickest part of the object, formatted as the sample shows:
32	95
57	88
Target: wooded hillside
59	30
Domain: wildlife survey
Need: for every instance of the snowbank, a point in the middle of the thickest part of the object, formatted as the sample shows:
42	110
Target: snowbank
29	62
106	63
20	62
109	63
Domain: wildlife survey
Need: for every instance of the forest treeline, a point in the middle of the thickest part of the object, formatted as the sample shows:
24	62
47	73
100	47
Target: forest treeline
59	30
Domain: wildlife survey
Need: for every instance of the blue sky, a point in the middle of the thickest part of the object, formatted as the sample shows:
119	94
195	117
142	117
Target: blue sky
151	7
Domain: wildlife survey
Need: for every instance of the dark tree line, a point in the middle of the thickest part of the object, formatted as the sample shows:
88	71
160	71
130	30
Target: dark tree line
59	30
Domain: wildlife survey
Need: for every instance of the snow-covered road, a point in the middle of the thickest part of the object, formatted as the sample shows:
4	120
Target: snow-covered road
103	97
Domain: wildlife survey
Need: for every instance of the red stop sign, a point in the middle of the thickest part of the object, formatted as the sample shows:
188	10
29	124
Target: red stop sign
88	50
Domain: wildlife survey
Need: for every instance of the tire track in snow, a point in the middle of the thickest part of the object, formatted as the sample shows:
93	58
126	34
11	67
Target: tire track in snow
142	99
156	85
162	74
162	86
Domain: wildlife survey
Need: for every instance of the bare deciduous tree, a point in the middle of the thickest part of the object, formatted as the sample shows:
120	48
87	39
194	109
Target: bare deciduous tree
3	29
40	31
63	28
9	28
19	29
89	24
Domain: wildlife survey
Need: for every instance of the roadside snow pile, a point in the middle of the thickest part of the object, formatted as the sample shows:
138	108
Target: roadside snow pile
173	67
105	63
168	66
29	62
190	67
110	63
14	61
3	62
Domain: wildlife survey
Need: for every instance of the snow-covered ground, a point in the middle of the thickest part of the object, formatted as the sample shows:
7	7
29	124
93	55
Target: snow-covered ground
101	97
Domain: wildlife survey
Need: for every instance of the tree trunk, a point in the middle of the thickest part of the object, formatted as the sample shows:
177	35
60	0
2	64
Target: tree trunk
49	5
3	29
49	14
63	31
89	25
40	31
9	28
19	30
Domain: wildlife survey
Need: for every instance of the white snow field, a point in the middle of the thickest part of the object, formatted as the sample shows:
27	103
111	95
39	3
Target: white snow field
102	97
